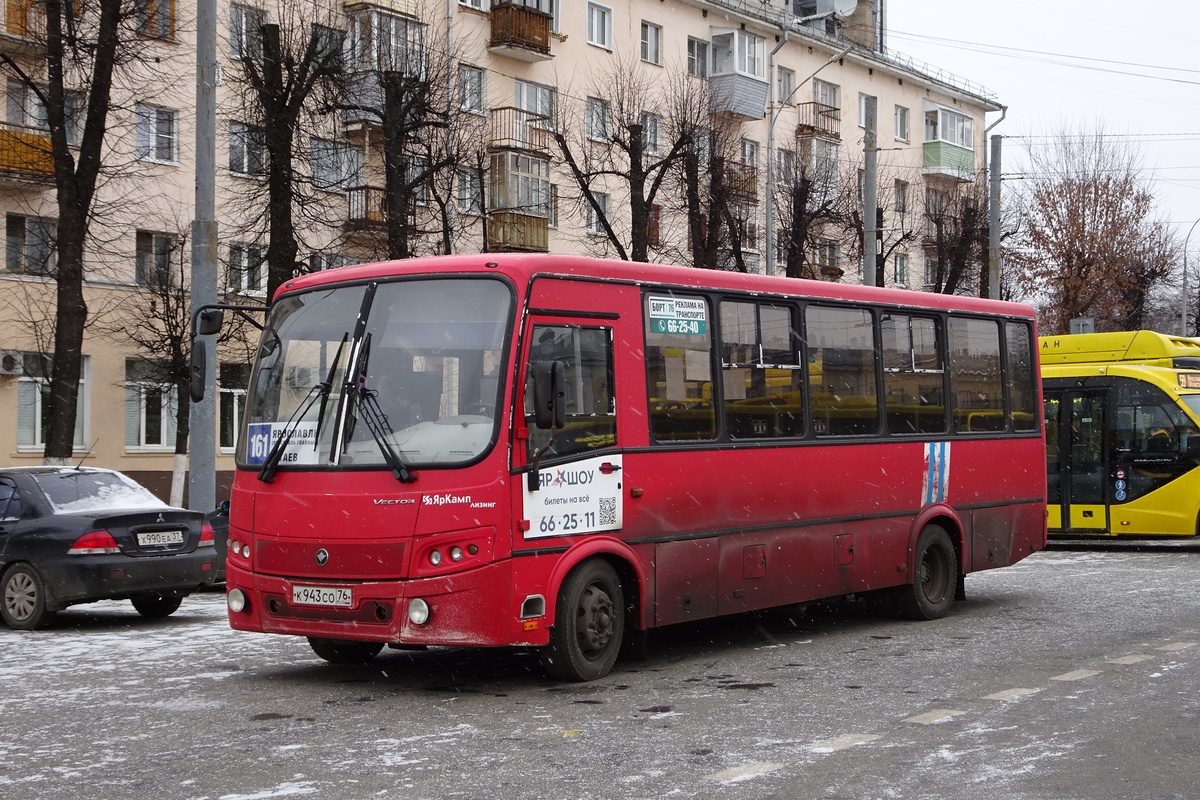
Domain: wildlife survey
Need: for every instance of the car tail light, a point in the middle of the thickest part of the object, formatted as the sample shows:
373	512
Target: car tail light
207	537
94	543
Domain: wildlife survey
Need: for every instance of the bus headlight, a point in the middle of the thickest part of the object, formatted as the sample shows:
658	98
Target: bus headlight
435	557
456	554
236	600
418	611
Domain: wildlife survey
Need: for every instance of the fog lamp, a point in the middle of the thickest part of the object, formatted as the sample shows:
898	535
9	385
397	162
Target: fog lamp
236	600
418	611
435	557
455	554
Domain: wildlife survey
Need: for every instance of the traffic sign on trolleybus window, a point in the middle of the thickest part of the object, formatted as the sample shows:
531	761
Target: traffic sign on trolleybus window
581	497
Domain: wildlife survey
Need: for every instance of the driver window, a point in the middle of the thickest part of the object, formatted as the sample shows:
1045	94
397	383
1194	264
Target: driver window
590	403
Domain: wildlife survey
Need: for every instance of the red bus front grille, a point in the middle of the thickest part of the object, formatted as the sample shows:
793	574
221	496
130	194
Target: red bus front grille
343	560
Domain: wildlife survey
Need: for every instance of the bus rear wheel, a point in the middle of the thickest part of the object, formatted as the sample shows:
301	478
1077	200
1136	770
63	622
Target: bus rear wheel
344	651
589	624
935	577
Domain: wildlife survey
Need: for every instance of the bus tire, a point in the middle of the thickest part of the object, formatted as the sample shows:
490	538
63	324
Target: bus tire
344	651
935	577
589	624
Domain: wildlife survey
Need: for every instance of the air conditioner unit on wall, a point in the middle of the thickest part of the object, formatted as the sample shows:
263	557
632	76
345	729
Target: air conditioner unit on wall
11	362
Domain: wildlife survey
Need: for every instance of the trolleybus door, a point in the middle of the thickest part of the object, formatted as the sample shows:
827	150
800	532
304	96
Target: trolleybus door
1076	460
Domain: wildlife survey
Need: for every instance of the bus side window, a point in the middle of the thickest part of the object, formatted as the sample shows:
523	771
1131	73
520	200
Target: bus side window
760	371
679	370
841	371
590	401
976	382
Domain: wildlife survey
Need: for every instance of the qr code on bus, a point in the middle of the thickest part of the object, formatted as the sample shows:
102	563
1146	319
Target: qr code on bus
608	511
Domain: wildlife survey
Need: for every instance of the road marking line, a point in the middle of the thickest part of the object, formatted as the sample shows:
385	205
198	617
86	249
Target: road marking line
743	773
1077	675
841	742
1175	647
1129	659
1011	694
935	716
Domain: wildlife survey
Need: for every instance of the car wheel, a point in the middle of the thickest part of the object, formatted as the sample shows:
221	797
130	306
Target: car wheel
25	603
344	651
156	605
589	624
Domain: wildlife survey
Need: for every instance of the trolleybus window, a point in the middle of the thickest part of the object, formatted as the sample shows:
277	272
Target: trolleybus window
761	374
975	378
913	375
679	367
590	402
1153	438
841	371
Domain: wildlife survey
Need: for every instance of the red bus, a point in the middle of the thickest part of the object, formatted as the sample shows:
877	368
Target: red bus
563	452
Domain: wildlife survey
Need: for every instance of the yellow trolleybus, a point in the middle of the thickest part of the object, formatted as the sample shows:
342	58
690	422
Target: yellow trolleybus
1122	434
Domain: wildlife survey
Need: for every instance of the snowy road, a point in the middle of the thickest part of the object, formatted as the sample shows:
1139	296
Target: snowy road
1071	675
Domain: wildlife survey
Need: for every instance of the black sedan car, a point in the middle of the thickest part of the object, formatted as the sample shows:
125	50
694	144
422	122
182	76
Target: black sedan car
75	535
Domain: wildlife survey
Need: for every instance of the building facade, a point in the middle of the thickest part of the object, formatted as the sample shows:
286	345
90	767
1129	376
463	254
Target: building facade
718	133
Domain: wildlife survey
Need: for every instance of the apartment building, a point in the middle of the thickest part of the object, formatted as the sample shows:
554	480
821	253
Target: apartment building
684	131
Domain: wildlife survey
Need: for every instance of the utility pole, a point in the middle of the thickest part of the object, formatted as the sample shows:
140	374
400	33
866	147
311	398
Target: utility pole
202	424
870	195
994	255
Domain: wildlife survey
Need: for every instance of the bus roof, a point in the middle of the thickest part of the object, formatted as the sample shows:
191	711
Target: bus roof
1140	347
523	267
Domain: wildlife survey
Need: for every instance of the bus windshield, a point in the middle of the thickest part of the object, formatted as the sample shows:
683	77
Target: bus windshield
360	375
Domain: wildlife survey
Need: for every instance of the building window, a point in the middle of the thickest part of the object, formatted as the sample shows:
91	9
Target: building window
232	380
536	99
739	52
827	94
900	196
900	267
651	125
785	163
247	269
825	254
30	244
600	25
470	89
336	166
155	18
651	43
379	41
149	405
786	86
594	225
865	100
317	262
936	202
245	33
552	207
247	150
156	133
478	5
469	191
697	58
520	183
901	124
597	119
155	254
931	274
33	391
750	153
944	125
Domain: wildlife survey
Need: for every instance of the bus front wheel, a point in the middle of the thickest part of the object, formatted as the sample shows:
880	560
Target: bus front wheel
589	624
344	651
935	578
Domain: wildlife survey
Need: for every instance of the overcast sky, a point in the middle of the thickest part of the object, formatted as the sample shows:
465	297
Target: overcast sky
1133	68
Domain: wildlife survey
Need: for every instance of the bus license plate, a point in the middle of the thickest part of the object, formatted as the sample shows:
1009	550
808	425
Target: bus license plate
322	596
159	538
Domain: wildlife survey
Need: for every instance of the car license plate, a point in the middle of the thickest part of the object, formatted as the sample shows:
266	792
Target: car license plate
159	538
322	596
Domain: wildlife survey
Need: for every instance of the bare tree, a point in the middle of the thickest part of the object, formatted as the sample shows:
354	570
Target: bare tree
956	237
1090	244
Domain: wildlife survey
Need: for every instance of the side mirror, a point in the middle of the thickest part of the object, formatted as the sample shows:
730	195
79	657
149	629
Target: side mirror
196	369
209	321
549	394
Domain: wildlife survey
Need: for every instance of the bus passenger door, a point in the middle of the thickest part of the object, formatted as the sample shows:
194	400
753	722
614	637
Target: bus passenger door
1076	460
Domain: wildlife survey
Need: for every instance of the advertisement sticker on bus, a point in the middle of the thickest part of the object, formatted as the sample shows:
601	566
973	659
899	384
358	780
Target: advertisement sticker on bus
583	497
680	315
300	449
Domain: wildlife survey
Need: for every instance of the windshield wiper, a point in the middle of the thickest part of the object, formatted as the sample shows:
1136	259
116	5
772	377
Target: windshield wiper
365	402
321	391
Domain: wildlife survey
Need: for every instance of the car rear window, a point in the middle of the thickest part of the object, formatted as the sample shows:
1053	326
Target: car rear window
75	492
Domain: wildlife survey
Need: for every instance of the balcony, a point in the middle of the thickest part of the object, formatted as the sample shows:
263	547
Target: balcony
946	160
818	119
367	208
23	31
517	129
510	230
25	156
741	180
520	32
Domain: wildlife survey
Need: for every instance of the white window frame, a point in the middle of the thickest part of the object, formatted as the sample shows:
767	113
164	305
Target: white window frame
900	270
600	25
597	120
477	5
246	266
139	392
946	125
31	407
470	89
698	51
162	253
652	42
826	253
738	52
247	150
468	192
900	198
902	124
826	93
536	98
156	134
328	176
785	86
245	24
593	226
651	133
749	154
862	110
31	244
